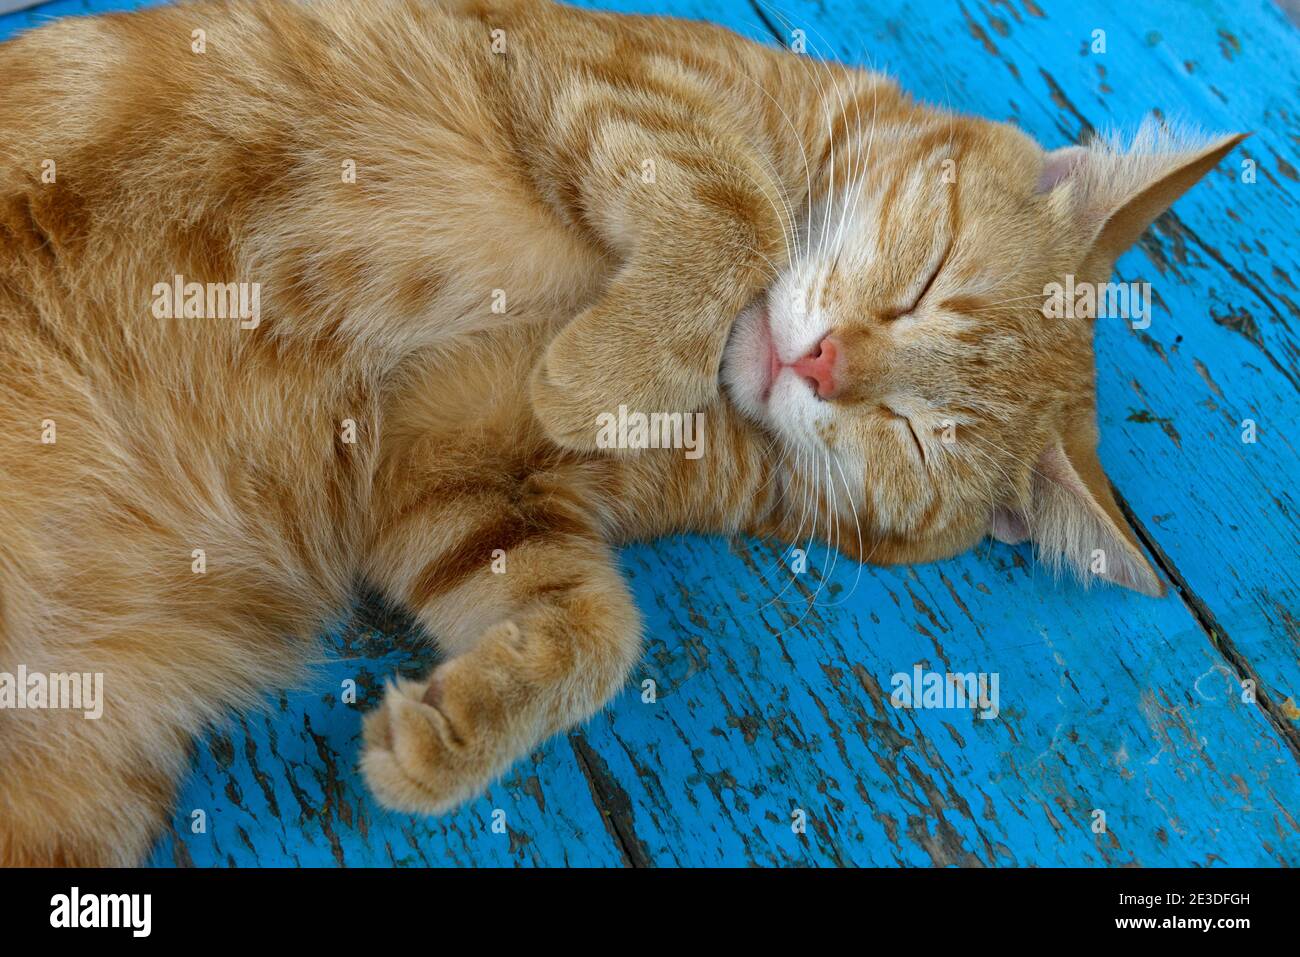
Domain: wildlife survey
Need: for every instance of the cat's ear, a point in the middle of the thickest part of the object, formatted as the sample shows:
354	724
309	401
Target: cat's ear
1073	519
1110	193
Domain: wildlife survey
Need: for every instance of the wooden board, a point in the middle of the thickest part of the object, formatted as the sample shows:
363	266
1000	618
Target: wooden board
8	6
773	693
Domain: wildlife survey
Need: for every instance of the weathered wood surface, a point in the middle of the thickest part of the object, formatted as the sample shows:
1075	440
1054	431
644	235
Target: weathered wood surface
774	695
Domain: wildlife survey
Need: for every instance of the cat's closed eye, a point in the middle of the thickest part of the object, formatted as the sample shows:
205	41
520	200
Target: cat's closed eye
900	312
905	422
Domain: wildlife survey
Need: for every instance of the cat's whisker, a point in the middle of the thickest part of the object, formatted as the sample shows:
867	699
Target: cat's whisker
1001	470
811	601
775	472
832	528
838	89
817	500
792	246
807	513
1027	516
798	535
792	239
862	168
772	269
785	213
996	447
822	101
779	470
824	69
858	526
821	503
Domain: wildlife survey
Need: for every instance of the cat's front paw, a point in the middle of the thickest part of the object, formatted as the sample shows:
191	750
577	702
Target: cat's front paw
432	745
585	376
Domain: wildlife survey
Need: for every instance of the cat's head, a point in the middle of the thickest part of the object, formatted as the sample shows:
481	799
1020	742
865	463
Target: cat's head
905	360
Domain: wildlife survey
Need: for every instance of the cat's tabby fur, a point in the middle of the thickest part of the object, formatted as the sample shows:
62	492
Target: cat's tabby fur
201	512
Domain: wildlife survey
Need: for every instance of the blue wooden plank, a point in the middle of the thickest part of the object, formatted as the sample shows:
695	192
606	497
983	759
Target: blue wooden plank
1222	348
1109	702
1170	702
767	703
282	788
18	21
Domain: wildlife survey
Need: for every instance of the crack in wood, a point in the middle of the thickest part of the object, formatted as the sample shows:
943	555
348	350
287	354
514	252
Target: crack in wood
767	22
1218	637
611	801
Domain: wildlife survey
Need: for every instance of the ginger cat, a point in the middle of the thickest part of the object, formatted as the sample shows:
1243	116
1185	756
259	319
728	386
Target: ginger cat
468	231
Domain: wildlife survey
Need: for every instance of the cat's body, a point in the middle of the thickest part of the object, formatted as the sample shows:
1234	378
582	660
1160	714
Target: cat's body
193	433
213	494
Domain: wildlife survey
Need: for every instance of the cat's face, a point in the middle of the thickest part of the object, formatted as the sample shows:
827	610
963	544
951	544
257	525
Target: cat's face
903	359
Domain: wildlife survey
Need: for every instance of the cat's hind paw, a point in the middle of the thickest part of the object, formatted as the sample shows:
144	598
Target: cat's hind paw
410	760
433	745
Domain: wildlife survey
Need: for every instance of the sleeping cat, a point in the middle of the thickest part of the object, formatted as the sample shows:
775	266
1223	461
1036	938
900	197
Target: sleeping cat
294	297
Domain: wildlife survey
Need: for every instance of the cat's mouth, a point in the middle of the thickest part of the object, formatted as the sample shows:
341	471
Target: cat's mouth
751	364
772	367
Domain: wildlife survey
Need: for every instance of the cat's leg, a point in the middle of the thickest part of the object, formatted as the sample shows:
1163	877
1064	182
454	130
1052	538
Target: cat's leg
82	792
699	221
95	734
517	585
93	781
108	669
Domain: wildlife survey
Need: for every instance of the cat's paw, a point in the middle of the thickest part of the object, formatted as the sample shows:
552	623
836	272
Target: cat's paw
432	745
585	376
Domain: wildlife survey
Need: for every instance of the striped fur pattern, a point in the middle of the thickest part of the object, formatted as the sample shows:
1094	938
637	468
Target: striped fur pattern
474	227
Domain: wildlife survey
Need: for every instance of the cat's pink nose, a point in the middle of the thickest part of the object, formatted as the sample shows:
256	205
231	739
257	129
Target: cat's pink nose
818	367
